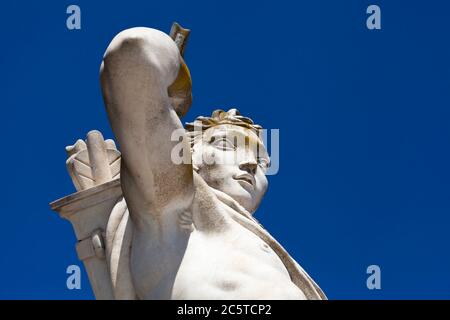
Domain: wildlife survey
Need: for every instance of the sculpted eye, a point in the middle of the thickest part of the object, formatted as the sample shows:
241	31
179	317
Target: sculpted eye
223	144
263	163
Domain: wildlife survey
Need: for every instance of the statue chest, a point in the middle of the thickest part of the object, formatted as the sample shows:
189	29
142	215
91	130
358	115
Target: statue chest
234	264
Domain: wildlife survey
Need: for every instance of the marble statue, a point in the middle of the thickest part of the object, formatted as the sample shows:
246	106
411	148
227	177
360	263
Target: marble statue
151	228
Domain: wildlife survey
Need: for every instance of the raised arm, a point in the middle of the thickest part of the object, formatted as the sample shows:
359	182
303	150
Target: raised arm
138	67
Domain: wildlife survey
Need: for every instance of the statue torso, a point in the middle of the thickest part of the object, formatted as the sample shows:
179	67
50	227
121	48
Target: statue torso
235	264
232	263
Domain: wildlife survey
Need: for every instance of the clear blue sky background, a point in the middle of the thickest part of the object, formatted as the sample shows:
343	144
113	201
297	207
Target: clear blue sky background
363	116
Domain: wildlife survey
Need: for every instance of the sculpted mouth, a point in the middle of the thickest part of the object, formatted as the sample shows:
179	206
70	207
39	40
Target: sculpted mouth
247	178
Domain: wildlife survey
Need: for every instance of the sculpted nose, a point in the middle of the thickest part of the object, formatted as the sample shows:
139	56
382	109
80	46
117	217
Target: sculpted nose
249	165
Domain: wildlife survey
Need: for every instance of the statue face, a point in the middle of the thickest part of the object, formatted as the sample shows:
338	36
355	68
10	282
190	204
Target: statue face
233	160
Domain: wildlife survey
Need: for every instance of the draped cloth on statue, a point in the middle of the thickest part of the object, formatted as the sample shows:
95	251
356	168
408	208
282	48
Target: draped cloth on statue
119	235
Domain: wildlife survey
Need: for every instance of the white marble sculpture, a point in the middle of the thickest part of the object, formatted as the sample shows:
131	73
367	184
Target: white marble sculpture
166	230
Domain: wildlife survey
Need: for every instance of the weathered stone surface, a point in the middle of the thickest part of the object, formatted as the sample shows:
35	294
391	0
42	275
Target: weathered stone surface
173	230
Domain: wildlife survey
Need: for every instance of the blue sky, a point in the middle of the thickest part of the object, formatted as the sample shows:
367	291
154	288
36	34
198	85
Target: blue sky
363	116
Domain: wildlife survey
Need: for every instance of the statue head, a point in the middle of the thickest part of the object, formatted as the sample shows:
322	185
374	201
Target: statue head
229	154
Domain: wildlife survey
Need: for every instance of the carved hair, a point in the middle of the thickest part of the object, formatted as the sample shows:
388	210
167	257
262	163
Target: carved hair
219	117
